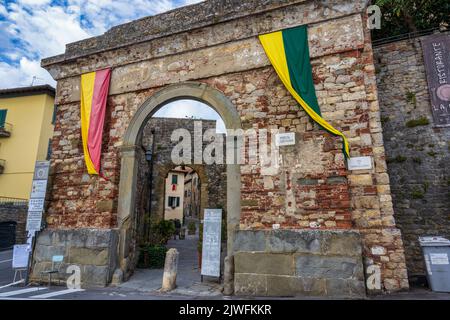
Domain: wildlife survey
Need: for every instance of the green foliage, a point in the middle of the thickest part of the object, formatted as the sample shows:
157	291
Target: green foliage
426	186
411	98
200	238
224	229
160	231
417	122
385	119
417	193
417	160
405	16
166	229
432	154
397	159
192	227
152	256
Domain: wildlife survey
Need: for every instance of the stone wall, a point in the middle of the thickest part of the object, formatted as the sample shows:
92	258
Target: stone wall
418	152
306	263
93	250
212	177
17	214
219	48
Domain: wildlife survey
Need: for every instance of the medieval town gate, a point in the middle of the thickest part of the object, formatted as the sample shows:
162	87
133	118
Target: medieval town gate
335	224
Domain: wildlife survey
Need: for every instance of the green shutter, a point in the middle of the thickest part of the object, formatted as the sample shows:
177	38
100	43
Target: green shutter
3	117
49	149
174	179
54	114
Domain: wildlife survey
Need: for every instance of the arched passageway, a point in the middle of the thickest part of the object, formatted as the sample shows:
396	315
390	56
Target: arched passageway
132	189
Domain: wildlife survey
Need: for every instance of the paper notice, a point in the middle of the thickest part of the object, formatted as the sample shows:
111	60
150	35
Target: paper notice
439	258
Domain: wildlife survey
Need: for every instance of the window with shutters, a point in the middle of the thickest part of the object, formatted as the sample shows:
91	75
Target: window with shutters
3	117
173	202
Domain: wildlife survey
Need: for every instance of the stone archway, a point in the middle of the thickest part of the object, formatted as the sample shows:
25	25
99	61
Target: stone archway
129	166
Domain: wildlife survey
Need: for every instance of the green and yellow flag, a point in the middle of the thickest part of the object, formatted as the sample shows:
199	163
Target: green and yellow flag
288	52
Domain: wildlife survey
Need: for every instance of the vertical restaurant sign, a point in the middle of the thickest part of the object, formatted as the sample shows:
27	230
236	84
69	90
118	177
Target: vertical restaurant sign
436	54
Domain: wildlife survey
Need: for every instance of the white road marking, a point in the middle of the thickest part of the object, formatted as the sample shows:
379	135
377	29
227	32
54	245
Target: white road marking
54	294
12	284
22	291
6	261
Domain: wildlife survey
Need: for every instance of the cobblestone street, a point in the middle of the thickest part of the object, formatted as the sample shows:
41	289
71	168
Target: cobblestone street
188	277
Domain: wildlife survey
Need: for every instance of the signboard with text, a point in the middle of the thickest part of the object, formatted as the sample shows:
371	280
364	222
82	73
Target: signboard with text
212	238
20	256
436	53
37	196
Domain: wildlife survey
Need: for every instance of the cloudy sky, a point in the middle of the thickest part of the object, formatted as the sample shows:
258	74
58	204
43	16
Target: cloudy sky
34	29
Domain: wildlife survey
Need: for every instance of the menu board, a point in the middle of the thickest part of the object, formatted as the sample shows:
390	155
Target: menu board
212	238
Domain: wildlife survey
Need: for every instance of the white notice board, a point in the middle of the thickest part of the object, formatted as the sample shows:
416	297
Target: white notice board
38	189
212	238
20	256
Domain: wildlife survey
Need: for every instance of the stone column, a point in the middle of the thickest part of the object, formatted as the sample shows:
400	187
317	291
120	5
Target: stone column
228	283
170	270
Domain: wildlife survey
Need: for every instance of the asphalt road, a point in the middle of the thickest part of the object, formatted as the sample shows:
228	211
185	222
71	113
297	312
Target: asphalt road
6	270
42	292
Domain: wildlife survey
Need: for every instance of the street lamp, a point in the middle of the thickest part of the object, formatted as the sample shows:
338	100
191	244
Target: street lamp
149	152
148	155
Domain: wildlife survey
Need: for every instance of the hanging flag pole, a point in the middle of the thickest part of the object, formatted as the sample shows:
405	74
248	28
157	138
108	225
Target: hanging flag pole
288	53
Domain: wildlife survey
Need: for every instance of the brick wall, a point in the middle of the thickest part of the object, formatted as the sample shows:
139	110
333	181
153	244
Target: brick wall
18	214
311	188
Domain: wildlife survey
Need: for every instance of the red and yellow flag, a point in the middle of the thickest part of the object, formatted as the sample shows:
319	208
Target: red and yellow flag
94	92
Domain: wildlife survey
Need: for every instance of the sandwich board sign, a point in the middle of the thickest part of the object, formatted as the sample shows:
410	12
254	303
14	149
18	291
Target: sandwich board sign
212	238
21	254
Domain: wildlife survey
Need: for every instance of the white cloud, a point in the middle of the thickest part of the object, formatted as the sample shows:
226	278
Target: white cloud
34	2
3	11
46	30
41	29
23	73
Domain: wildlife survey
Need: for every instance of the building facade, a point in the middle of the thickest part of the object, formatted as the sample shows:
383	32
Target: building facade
174	195
26	129
192	195
308	227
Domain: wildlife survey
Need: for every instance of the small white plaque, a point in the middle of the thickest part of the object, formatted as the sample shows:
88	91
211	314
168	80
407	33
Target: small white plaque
285	139
439	258
276	226
378	251
360	163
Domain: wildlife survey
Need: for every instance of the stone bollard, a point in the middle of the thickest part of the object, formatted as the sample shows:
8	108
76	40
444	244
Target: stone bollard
228	277
170	270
